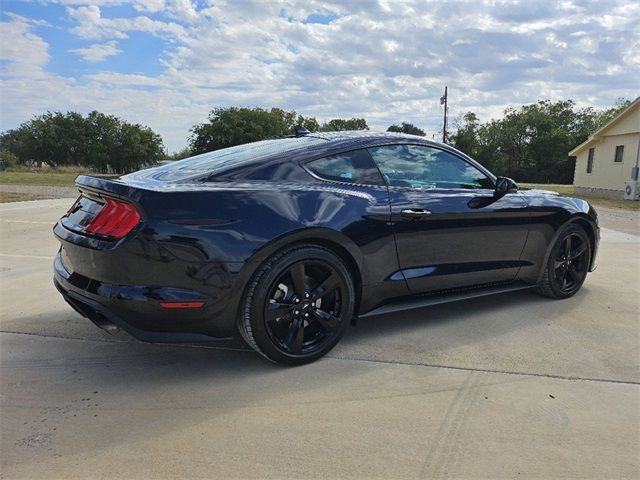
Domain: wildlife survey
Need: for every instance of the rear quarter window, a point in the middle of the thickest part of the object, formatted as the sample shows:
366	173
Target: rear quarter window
226	158
350	167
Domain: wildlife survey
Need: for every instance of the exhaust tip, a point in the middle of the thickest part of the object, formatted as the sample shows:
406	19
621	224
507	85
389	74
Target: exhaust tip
104	323
110	328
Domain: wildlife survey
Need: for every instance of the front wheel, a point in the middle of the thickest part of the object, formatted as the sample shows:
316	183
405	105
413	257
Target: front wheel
298	305
568	264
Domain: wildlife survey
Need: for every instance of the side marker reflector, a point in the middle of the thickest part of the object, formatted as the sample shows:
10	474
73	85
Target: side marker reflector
182	304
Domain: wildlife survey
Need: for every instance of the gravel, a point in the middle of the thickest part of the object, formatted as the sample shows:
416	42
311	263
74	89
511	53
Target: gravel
627	221
41	191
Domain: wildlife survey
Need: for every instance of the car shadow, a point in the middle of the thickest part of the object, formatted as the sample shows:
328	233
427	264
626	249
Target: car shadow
464	322
493	315
96	393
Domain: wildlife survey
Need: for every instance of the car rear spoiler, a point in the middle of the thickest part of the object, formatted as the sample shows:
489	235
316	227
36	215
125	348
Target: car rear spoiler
111	186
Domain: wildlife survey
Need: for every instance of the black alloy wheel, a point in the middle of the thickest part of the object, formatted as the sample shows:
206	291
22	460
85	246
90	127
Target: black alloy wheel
302	310
571	263
568	264
299	305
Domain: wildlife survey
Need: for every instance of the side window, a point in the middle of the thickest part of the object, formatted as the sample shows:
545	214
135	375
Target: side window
349	167
426	167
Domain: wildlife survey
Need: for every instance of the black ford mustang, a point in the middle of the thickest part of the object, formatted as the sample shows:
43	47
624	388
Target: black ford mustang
287	241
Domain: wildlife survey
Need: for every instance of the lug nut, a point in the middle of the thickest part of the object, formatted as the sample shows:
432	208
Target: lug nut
297	300
306	314
297	312
306	294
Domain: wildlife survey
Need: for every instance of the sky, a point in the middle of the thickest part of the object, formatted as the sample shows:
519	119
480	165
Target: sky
167	63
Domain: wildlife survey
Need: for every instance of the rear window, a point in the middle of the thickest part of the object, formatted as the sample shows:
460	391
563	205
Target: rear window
227	157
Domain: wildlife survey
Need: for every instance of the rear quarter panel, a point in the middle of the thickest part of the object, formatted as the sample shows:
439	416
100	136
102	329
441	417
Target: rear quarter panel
235	224
242	225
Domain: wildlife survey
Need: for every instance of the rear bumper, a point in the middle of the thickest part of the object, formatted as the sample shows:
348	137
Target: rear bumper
137	310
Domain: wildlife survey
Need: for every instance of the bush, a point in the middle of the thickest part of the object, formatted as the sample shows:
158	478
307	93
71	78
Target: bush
9	159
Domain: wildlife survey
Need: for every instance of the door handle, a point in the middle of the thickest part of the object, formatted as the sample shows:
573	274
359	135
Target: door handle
415	212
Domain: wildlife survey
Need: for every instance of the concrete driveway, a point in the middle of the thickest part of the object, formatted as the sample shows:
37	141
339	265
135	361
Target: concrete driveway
510	386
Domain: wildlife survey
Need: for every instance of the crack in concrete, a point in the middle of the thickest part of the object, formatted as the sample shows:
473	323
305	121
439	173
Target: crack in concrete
489	370
353	359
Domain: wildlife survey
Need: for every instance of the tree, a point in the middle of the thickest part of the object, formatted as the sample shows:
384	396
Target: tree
405	127
340	124
605	116
231	126
531	143
180	154
103	142
136	145
465	138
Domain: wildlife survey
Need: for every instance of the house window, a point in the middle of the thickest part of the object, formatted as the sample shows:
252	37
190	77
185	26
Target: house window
619	153
590	160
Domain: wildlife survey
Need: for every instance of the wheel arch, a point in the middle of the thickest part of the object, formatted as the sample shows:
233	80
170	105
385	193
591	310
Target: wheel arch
588	226
336	242
585	222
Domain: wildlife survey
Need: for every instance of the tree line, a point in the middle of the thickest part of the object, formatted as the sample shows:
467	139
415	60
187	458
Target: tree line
231	126
529	144
101	142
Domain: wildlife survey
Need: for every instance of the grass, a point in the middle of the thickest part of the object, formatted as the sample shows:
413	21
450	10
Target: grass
596	201
43	177
6	197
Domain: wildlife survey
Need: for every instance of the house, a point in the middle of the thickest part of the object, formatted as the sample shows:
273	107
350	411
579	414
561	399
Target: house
608	161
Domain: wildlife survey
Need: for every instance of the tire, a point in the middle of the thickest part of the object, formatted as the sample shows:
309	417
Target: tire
298	305
568	264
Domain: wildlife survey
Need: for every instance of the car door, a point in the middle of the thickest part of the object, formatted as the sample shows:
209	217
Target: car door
451	230
364	219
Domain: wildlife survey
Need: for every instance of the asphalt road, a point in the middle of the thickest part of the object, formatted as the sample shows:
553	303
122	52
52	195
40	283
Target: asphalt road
510	386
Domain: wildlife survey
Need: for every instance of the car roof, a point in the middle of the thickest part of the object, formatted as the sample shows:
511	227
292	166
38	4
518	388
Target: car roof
246	158
315	145
360	134
334	142
363	138
347	140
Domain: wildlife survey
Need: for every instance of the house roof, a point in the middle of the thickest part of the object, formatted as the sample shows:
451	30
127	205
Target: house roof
598	134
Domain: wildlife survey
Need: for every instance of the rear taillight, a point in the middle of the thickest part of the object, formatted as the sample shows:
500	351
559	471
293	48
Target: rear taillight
115	220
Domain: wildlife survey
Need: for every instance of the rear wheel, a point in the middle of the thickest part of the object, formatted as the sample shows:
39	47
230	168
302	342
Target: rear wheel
568	264
298	305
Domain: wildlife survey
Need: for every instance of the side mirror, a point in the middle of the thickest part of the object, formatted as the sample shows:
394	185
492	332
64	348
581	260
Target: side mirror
505	185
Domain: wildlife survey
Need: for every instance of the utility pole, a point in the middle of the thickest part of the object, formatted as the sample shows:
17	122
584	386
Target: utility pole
443	101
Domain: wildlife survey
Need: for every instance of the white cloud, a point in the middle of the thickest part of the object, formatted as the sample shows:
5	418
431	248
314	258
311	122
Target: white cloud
25	53
91	25
122	79
30	21
387	61
27	87
98	51
152	6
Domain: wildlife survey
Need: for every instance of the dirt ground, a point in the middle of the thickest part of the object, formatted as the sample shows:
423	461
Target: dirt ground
627	221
